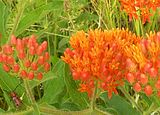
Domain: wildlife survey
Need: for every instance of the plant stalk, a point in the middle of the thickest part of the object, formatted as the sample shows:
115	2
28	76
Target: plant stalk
93	99
152	108
29	91
21	7
31	97
130	99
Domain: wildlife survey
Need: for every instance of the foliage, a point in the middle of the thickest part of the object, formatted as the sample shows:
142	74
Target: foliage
57	93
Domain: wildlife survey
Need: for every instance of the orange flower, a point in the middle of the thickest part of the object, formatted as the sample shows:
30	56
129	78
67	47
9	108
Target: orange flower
99	56
146	54
139	8
129	8
145	15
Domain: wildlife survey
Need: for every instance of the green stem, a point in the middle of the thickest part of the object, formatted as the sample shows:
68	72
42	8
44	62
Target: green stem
102	112
25	112
21	7
130	99
31	97
29	92
141	26
53	111
152	108
137	27
94	97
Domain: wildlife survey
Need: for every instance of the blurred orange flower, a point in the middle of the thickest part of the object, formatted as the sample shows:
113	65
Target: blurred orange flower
139	8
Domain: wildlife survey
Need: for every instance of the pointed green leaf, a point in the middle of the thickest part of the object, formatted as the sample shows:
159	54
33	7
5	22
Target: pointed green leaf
53	89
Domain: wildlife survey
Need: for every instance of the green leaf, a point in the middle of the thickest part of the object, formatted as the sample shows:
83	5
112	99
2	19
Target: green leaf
77	97
1	111
33	16
3	19
119	104
63	42
53	89
7	82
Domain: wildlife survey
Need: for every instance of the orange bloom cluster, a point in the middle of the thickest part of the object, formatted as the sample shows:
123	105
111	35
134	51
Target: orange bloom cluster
99	56
25	58
139	8
145	77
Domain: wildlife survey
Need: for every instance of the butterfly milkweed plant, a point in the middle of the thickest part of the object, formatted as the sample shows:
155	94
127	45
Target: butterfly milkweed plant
80	57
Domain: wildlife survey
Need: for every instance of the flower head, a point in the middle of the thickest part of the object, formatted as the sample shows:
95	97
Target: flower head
25	57
99	56
146	55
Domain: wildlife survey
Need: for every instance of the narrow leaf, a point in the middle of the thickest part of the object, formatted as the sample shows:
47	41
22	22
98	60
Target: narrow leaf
3	19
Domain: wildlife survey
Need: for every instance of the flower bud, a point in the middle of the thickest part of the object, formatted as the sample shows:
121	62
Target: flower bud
34	66
137	87
31	75
148	90
7	49
130	78
46	56
6	68
39	50
19	45
4	58
75	75
85	76
46	67
40	60
16	68
23	74
27	63
32	50
143	79
147	66
25	41
44	45
13	40
39	76
10	60
153	72
68	51
21	54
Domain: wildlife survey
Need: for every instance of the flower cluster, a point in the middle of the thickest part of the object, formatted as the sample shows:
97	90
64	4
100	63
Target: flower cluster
145	77
99	56
25	58
139	8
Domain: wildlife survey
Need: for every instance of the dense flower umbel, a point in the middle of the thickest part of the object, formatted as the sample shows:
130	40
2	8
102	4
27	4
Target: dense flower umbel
98	56
25	58
146	77
140	8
